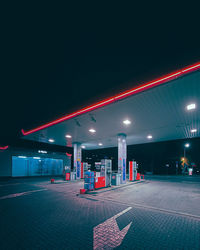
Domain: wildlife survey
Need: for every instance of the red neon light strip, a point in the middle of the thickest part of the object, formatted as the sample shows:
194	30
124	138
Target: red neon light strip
143	87
4	148
69	154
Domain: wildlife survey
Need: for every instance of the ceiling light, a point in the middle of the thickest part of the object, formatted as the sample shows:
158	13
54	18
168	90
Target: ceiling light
187	145
100	144
51	140
22	156
42	151
68	136
191	106
149	137
82	146
193	130
36	158
92	130
127	122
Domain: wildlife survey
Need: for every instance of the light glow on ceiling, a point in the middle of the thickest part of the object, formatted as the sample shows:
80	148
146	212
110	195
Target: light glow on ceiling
92	130
100	144
191	106
51	140
193	130
42	151
68	136
127	122
83	146
149	137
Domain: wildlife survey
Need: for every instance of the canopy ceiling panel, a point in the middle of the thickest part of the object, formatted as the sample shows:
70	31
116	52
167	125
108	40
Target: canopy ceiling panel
159	111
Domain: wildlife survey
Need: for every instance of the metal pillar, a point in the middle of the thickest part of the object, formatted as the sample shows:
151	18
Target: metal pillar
77	160
122	157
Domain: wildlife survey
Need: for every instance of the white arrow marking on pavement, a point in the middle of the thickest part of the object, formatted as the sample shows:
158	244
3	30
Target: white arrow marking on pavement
107	234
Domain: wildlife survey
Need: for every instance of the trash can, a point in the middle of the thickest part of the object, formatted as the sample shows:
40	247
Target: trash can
115	179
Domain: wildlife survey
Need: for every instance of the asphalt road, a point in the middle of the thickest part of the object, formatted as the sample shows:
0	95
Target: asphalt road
159	213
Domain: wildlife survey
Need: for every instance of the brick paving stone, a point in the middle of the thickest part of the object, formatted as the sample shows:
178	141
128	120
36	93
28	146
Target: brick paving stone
58	218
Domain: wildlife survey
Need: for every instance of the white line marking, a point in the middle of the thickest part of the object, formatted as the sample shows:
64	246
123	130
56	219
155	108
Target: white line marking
20	194
107	234
123	212
143	206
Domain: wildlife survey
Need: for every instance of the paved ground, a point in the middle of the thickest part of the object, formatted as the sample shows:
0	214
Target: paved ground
159	213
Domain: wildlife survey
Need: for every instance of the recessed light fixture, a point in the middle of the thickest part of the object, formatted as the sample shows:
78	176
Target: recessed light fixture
51	140
193	130
82	146
127	122
187	145
191	106
42	151
68	136
149	137
92	130
100	144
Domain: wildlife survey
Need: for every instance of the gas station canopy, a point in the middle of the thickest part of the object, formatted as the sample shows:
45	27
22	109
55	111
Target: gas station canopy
161	110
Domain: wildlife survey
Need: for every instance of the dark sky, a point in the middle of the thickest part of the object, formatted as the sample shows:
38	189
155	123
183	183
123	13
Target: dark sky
151	156
56	59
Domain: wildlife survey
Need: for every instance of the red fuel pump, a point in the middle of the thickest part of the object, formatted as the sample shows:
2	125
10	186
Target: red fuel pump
132	170
67	176
84	168
67	171
103	175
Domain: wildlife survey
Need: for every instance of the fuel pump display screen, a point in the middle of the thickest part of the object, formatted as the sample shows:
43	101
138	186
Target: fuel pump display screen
98	166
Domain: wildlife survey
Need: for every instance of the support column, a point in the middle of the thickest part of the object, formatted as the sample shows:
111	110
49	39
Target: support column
77	159
122	157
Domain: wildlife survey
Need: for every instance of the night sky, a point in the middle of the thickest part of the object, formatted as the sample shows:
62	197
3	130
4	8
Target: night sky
151	157
56	60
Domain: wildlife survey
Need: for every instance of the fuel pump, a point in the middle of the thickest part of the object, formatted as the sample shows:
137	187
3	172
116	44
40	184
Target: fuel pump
84	168
132	170
98	169
103	173
67	171
106	170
